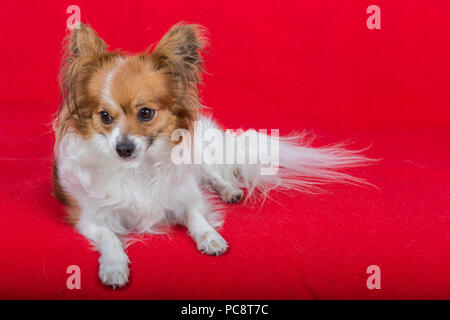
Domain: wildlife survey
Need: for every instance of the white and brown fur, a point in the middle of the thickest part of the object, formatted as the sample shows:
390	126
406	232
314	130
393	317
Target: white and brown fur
108	197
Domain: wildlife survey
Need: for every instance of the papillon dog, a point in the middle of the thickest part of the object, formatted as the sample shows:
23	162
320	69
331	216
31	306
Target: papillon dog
113	156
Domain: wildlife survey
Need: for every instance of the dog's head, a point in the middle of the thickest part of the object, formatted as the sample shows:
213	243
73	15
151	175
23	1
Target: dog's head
128	102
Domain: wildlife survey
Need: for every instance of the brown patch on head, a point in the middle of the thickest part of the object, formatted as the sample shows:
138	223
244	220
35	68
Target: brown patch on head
166	81
128	85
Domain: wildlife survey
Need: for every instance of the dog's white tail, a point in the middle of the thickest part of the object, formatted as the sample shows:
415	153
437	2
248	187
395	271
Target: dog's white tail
298	165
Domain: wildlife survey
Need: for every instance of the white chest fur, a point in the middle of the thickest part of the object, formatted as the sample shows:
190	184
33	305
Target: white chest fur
125	196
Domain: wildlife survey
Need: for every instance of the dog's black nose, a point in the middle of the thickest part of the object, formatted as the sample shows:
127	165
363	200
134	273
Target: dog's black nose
125	149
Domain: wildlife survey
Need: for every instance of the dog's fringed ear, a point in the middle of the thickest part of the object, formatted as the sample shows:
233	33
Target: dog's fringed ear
180	51
85	41
84	53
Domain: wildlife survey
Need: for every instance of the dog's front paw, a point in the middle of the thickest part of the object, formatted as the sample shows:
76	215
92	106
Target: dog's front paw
212	243
232	195
114	272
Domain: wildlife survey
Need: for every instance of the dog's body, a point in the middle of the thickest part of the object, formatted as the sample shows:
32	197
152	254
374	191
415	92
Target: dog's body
113	164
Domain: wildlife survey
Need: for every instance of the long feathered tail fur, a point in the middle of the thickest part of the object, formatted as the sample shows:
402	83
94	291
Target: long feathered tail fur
301	167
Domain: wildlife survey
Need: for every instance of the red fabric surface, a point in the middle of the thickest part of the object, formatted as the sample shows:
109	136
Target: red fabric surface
288	65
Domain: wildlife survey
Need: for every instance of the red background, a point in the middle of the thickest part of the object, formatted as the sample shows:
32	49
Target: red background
272	64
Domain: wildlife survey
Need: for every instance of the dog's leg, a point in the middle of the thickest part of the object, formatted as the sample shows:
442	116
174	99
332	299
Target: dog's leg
228	192
208	240
113	260
194	217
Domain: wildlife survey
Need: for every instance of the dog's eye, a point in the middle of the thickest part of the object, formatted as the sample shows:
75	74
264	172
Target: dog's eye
105	117
145	114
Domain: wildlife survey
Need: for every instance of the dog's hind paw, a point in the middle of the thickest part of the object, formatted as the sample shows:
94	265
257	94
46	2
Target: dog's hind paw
232	195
